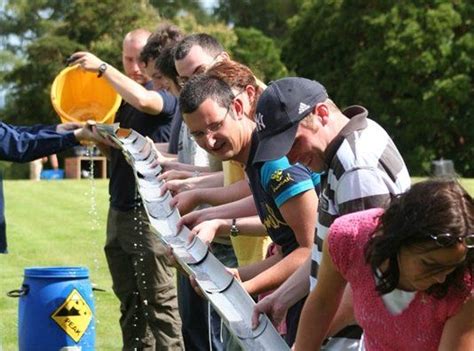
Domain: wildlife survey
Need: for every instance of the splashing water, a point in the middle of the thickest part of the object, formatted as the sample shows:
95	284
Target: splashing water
93	215
93	190
139	264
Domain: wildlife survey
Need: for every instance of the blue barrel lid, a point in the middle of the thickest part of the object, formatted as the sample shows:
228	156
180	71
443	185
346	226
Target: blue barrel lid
57	272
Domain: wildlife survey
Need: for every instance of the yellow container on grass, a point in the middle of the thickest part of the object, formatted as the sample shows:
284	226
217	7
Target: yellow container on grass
78	96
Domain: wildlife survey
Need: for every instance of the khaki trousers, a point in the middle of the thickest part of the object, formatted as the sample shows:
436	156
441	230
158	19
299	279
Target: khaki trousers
143	282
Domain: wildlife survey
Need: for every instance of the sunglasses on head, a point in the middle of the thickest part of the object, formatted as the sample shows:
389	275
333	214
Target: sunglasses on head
447	239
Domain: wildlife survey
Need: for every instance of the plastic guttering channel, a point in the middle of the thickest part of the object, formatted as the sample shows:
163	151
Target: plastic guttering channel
225	293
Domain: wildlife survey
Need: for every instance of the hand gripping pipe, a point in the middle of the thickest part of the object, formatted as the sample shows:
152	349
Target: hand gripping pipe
226	294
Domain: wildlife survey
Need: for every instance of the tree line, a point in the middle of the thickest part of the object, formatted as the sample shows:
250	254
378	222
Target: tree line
410	63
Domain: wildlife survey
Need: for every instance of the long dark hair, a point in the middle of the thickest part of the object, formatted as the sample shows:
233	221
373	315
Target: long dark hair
430	207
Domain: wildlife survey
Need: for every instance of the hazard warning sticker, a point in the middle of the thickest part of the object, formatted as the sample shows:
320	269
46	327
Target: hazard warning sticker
73	316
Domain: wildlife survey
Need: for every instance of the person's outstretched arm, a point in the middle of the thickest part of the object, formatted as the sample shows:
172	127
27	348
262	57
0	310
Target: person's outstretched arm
303	205
144	100
321	305
186	201
290	292
22	144
458	332
237	209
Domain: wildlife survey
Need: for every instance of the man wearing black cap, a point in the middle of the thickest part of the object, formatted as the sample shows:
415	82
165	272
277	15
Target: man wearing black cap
362	166
218	119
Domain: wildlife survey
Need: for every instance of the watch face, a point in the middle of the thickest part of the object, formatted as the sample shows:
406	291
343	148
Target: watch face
234	231
102	69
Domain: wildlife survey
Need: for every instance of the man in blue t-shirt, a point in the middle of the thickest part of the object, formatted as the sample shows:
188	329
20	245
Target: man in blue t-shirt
142	278
282	193
24	144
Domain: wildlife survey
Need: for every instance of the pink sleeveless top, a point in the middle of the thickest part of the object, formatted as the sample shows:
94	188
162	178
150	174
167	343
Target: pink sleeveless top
420	325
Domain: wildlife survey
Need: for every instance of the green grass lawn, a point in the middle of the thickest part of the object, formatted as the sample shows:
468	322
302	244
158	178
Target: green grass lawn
51	224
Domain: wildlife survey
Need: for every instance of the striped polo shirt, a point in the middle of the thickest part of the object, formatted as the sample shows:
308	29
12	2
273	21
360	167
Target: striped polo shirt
364	170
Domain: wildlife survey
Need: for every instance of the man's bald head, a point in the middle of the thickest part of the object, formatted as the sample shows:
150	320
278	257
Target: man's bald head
133	44
139	36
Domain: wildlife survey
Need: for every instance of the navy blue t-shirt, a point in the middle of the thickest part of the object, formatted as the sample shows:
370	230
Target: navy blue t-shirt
174	133
157	127
272	184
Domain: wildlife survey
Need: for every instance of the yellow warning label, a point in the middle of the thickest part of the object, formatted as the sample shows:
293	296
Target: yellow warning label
73	316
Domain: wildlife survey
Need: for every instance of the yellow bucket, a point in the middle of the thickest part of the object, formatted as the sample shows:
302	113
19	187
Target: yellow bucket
78	96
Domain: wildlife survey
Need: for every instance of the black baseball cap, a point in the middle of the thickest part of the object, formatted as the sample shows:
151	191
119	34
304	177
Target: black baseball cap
280	108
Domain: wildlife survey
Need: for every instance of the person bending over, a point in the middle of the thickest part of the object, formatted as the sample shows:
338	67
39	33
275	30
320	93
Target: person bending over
410	269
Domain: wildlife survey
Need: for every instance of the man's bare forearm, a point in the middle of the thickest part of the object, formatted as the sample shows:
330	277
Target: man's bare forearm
296	286
223	195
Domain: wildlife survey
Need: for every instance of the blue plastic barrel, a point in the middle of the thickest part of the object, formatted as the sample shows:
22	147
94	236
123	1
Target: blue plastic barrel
56	310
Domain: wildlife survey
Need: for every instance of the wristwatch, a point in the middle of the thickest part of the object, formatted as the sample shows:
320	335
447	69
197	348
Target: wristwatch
234	231
102	69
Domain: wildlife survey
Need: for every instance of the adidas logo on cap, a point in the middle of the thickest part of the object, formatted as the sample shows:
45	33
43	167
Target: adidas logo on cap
302	108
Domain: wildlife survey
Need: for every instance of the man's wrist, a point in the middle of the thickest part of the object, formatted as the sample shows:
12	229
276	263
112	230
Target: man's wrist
78	133
75	136
198	195
222	227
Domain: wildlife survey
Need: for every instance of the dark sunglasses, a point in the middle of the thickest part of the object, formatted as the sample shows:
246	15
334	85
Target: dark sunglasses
447	239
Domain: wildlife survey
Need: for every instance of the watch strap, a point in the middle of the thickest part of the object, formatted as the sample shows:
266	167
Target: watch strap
102	69
234	231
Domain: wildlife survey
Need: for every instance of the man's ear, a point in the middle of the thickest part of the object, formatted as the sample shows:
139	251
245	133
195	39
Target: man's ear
250	90
321	110
238	108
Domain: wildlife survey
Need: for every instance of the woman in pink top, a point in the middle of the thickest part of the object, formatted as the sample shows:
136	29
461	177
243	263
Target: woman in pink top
410	269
